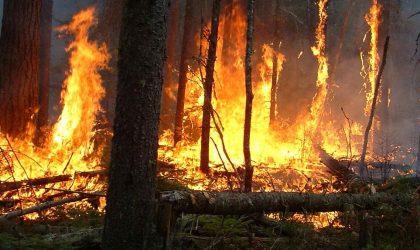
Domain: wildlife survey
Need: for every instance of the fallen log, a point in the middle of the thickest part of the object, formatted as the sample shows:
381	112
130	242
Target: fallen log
42	206
230	203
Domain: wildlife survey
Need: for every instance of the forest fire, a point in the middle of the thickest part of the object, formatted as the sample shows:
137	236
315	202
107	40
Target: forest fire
69	147
263	119
286	150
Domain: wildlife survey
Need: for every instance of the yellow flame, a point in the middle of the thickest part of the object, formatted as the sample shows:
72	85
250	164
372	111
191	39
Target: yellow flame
318	50
66	148
286	147
83	89
373	19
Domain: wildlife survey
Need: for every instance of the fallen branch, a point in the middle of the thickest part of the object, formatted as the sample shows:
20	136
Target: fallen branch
42	206
224	203
12	185
7	186
344	175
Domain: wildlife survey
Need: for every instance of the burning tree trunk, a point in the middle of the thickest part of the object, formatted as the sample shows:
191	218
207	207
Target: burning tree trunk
273	100
135	142
44	66
372	113
208	88
249	96
226	203
19	60
186	54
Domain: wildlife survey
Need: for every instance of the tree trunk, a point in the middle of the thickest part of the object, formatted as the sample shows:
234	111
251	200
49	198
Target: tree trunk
230	203
174	25
186	55
109	31
383	108
19	60
362	167
273	101
249	170
208	88
44	67
273	91
348	11
131	192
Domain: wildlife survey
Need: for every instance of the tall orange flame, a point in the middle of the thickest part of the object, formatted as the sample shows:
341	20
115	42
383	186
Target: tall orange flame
66	147
318	50
373	19
83	89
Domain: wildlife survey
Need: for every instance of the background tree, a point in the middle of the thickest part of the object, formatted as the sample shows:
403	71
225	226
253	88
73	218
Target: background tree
208	88
19	60
131	192
249	96
276	41
186	56
44	65
108	30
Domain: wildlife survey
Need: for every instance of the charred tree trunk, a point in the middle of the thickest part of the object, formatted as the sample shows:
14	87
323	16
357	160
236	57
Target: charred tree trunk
249	170
208	88
135	142
230	203
44	67
362	167
19	60
186	55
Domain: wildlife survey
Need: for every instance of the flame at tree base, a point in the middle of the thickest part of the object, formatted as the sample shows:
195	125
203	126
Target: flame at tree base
70	145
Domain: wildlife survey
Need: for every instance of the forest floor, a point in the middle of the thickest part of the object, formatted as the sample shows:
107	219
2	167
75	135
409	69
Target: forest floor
387	227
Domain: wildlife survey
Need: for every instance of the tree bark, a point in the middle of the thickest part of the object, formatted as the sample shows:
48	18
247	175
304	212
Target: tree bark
132	180
249	170
186	55
44	67
362	167
19	65
229	203
208	88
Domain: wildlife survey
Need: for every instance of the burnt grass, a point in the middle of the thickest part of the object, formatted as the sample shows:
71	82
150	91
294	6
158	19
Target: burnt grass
387	227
